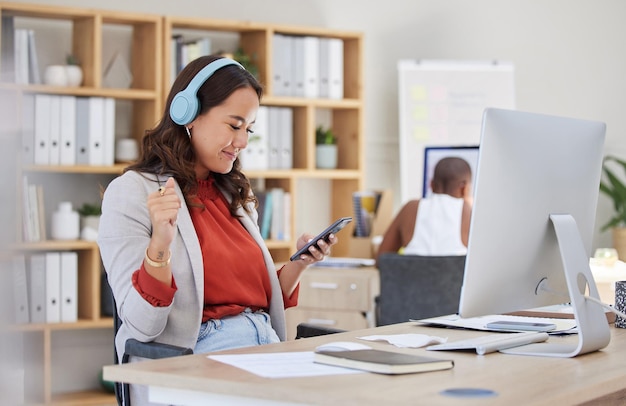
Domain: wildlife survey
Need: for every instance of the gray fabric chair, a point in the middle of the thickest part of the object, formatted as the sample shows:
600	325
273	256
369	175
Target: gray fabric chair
418	287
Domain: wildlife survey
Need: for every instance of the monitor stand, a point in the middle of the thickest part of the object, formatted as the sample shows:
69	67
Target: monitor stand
593	329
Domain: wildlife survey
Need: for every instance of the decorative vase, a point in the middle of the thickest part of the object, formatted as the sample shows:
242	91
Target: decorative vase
326	156
55	75
89	227
619	242
92	221
126	150
65	223
74	74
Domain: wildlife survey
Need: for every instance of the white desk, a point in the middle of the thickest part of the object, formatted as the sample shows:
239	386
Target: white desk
596	378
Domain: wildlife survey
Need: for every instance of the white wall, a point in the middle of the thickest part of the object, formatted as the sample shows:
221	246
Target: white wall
569	55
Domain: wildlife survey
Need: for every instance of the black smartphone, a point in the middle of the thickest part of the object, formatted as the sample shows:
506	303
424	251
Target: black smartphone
332	229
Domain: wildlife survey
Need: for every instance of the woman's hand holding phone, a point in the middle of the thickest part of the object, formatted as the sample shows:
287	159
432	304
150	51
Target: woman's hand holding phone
324	236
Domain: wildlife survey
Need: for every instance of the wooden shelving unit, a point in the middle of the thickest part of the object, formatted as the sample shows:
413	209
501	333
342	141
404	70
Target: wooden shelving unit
89	31
346	114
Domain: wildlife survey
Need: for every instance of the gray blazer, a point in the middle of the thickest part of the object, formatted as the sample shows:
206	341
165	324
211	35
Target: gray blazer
123	237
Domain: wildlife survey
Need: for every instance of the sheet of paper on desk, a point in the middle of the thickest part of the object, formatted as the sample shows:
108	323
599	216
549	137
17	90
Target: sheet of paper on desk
406	340
281	364
563	326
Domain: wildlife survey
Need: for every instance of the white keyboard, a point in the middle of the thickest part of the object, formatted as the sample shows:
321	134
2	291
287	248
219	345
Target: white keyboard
492	342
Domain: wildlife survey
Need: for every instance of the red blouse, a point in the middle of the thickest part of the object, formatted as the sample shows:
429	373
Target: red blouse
235	276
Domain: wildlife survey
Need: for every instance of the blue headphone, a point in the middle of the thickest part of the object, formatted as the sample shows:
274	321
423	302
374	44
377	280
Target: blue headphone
185	105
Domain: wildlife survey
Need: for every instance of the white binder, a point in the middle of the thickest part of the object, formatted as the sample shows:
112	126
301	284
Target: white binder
53	287
55	130
335	70
310	65
82	130
89	130
282	65
21	56
42	129
28	129
96	131
324	67
109	131
273	137
34	76
277	220
277	68
37	291
20	290
69	287
297	66
34	217
68	131
285	138
255	155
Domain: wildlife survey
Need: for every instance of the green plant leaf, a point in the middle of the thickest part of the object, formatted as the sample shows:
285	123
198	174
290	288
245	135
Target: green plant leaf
615	189
88	209
324	136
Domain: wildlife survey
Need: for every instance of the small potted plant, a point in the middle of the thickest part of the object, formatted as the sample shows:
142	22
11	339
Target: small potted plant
615	189
73	71
325	148
89	220
247	61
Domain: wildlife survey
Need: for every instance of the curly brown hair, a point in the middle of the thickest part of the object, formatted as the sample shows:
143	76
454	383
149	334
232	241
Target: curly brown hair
166	149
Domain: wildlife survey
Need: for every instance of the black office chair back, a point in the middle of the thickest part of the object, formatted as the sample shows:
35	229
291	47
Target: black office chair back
417	287
151	350
305	330
117	323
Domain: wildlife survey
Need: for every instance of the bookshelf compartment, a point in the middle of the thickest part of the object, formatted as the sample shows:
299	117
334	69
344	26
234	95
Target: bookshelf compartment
88	294
52	40
349	138
224	37
71	348
136	39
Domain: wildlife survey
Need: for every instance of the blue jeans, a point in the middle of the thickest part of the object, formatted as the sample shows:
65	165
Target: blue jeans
243	330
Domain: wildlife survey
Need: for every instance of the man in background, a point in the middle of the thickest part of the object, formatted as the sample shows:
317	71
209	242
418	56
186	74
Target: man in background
438	224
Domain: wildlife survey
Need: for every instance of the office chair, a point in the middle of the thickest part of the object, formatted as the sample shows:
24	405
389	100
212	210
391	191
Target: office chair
417	287
304	330
150	350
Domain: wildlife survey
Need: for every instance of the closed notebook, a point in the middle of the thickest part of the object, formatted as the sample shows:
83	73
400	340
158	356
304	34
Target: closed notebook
383	362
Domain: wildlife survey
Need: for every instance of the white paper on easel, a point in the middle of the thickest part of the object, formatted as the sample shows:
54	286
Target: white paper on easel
441	103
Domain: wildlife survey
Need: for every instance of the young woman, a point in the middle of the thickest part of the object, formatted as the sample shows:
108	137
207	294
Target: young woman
179	236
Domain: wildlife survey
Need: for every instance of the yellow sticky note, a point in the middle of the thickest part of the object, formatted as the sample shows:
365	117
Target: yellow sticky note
421	133
419	113
418	93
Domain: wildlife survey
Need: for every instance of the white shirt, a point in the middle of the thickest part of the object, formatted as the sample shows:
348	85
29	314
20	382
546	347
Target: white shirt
437	227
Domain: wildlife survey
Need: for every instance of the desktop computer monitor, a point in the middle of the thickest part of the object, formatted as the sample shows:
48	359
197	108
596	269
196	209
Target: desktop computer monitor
536	190
434	154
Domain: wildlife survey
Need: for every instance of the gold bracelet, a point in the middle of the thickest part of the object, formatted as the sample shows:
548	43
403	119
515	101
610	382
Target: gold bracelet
158	264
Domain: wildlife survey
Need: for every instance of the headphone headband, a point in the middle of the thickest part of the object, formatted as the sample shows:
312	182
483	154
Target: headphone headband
185	105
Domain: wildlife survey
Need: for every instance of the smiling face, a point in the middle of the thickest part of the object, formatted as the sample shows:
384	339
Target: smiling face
218	135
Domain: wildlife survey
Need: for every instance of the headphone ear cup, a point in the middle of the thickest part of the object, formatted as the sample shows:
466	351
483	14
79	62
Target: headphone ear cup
184	108
185	105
